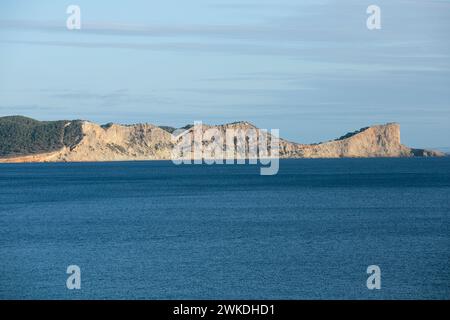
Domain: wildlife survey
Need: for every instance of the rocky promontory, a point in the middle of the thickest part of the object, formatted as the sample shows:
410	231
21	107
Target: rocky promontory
26	140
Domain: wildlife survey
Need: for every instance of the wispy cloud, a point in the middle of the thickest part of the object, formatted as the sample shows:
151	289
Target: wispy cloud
115	98
296	62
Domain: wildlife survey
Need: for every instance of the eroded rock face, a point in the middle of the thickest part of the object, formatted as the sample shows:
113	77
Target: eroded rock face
118	142
115	142
375	141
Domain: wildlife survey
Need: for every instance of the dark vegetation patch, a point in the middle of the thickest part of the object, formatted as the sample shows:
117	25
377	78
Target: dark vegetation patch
172	129
351	134
24	136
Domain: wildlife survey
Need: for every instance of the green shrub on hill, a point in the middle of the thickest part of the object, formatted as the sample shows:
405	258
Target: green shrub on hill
22	136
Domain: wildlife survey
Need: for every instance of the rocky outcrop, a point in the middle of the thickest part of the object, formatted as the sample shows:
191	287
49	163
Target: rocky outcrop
375	141
115	142
118	143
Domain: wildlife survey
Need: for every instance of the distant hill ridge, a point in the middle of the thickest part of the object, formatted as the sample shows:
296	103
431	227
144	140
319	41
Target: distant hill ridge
27	140
21	135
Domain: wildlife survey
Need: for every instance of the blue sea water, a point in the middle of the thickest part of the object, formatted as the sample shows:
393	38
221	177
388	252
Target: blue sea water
153	230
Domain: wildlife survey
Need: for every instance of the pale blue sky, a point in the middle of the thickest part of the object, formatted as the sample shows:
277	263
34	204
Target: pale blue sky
310	68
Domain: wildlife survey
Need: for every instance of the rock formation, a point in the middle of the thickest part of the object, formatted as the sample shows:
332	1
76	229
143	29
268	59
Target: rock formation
87	141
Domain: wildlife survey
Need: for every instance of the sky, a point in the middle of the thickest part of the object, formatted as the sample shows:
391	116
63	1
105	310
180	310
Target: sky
309	68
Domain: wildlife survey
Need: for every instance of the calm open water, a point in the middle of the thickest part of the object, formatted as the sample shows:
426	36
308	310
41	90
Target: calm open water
153	230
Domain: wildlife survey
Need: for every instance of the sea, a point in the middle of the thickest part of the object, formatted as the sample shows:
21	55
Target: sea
156	230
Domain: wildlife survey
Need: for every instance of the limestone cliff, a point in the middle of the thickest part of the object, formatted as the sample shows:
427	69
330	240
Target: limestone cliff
375	141
115	142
